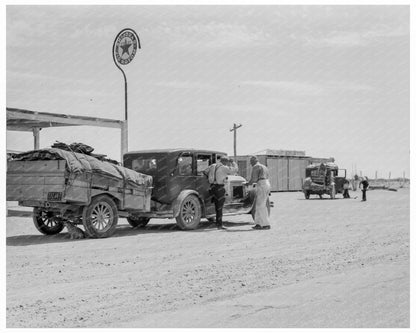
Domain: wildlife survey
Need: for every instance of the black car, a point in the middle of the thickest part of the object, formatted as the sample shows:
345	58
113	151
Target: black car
181	189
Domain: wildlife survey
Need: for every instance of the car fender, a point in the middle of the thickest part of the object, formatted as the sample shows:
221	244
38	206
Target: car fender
178	201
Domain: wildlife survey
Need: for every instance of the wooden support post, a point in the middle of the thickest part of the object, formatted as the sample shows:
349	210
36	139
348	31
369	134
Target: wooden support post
36	144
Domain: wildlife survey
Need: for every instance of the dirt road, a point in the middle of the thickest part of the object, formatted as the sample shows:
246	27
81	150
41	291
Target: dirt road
324	263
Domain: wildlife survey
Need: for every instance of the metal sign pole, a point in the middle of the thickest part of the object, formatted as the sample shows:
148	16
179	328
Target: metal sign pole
124	49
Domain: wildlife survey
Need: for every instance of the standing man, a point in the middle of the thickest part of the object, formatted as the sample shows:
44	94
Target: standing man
346	187
233	166
217	173
364	187
260	176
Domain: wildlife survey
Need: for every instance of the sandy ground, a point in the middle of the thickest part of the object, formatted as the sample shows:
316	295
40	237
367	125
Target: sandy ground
324	263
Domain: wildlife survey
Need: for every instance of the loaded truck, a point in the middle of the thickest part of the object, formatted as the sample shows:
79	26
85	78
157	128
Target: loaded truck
67	186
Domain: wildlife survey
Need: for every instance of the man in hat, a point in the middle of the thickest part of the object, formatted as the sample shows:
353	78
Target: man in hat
364	187
260	176
217	173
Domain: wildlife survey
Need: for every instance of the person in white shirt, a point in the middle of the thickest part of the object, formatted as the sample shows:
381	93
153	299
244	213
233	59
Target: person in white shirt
260	176
217	173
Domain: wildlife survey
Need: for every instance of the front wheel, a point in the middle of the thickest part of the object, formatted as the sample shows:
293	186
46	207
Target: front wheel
138	222
307	194
46	222
189	213
100	217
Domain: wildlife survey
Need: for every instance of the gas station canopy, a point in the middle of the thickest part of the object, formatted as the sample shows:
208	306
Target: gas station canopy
34	121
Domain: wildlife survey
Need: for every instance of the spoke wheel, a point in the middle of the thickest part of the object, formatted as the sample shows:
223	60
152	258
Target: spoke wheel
189	213
100	217
46	222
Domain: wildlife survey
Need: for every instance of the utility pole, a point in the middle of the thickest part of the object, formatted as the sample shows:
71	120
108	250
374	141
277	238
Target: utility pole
234	129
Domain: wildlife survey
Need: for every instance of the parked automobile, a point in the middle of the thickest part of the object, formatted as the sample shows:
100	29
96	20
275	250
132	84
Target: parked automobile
324	178
181	189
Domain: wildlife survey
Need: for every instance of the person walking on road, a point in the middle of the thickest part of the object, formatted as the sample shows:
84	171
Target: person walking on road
364	187
260	176
217	173
346	187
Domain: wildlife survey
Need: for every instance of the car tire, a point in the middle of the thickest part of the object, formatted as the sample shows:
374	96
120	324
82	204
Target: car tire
46	222
189	213
100	217
138	222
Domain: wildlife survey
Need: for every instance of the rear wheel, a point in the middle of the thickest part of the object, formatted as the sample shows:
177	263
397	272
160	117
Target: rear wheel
189	213
138	222
46	222
100	217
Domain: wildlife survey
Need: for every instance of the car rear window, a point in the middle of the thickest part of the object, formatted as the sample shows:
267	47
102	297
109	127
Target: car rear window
144	165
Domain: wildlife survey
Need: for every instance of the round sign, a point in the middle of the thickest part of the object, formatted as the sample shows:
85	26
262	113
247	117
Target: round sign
125	46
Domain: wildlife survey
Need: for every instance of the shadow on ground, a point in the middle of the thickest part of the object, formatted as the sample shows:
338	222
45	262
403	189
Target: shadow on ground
121	231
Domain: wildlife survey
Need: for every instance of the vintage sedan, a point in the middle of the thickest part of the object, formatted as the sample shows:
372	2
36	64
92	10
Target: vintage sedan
181	189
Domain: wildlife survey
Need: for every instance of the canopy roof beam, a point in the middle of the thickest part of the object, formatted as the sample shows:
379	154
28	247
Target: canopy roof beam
34	121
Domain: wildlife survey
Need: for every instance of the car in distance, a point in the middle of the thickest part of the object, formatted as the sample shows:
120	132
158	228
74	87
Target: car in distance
181	189
324	178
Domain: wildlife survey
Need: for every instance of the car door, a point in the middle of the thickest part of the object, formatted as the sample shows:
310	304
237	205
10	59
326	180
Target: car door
185	175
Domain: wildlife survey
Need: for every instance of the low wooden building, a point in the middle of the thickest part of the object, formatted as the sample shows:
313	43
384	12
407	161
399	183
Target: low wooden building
286	167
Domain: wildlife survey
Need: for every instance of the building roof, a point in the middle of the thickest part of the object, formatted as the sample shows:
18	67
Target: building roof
173	150
280	152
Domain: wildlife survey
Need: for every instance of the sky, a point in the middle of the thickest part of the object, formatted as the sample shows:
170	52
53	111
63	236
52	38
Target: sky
332	81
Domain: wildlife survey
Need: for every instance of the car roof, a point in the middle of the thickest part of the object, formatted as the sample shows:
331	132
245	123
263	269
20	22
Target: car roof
174	150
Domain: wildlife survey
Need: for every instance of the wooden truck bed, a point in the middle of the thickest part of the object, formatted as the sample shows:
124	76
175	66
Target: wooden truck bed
40	181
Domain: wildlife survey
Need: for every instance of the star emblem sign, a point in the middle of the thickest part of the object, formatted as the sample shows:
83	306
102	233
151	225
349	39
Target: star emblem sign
125	46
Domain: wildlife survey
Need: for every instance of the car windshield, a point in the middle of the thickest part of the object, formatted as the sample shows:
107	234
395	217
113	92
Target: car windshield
144	165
